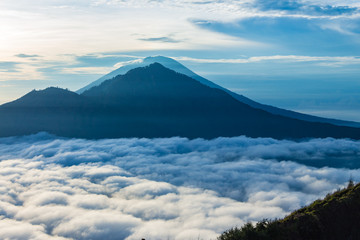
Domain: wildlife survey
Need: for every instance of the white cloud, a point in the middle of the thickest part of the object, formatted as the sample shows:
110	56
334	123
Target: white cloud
328	60
121	64
351	3
87	70
22	72
12	229
82	28
97	225
161	188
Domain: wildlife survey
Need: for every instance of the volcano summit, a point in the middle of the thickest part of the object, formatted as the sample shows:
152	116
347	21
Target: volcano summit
152	99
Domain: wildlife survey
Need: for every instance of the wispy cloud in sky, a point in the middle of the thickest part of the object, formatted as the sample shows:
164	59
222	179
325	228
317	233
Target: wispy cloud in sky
22	55
333	61
160	39
319	36
305	8
45	25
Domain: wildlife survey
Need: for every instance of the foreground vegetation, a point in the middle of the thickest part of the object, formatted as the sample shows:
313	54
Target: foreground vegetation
337	216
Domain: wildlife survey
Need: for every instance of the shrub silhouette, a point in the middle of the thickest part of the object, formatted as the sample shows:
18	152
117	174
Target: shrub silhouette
336	217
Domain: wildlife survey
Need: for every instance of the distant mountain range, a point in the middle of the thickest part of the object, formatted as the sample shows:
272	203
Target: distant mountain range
155	101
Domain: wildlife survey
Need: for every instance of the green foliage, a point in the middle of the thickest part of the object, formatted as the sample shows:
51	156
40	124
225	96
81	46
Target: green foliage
337	216
351	183
264	230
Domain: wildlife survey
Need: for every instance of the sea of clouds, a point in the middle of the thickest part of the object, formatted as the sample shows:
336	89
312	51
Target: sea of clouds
173	188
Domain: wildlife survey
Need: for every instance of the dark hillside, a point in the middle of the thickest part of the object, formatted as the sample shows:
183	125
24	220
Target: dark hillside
47	98
336	217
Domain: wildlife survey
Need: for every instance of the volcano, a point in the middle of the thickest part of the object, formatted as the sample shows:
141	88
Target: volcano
153	101
178	67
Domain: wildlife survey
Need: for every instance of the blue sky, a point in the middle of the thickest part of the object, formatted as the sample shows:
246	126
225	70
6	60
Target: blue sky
301	55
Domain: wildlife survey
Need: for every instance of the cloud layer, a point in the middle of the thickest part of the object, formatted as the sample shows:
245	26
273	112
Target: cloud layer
54	188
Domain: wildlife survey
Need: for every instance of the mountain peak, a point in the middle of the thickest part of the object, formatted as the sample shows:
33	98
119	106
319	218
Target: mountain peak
153	82
165	61
53	90
159	59
152	65
48	97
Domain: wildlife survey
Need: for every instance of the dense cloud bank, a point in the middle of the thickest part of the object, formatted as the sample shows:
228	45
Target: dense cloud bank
54	188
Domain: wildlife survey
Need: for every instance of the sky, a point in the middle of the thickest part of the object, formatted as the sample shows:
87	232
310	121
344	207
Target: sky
302	55
173	188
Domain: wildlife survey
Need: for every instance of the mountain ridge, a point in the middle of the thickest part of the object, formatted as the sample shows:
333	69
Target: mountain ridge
51	97
178	67
153	101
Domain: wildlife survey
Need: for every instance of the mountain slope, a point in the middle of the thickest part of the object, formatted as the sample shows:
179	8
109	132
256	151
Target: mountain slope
334	218
166	62
53	110
178	67
152	101
176	105
49	97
